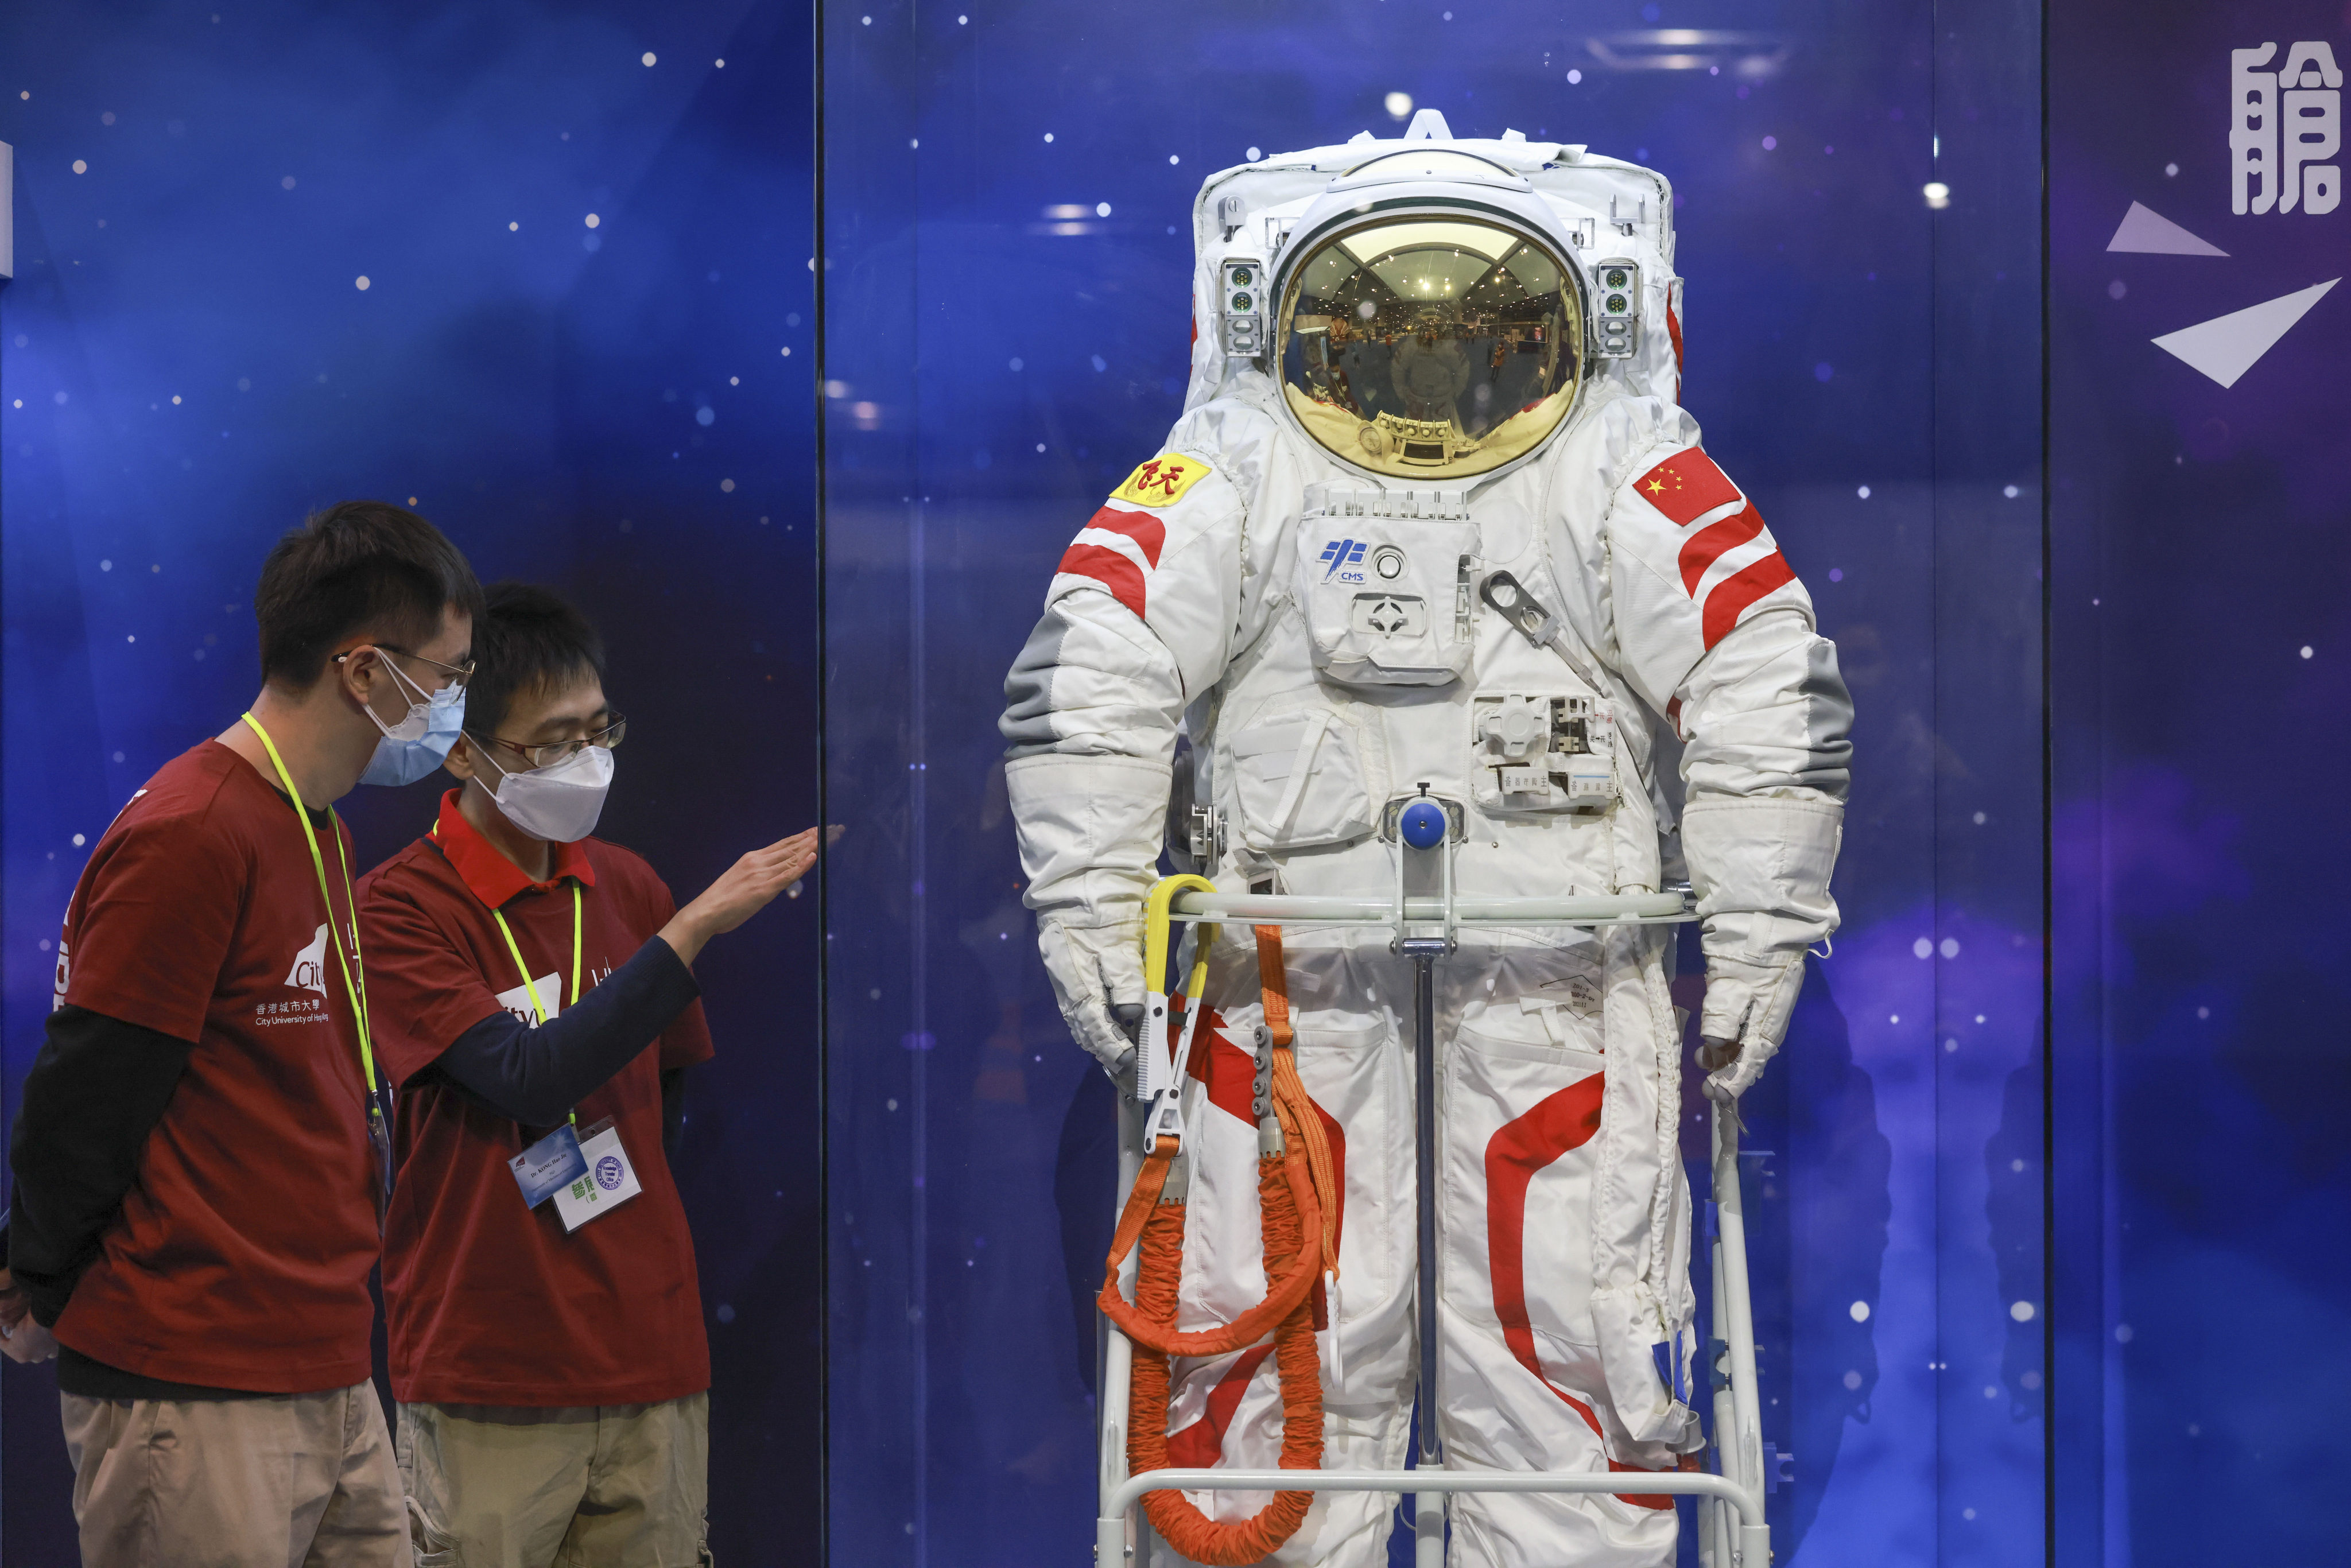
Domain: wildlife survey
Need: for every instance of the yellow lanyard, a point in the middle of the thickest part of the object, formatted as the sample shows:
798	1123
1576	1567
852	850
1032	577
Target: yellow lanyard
355	991
530	985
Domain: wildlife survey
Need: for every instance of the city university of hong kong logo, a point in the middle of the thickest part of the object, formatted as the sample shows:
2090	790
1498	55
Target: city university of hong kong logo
1338	557
309	970
308	973
517	999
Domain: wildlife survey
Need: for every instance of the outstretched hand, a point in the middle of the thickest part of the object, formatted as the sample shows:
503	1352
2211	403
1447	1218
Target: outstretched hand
744	889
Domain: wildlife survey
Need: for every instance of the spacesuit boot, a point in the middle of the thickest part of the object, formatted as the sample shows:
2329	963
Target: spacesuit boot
1435	525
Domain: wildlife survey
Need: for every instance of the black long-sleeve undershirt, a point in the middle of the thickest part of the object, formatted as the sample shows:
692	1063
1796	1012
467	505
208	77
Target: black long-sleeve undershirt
99	1085
536	1075
97	1089
673	1109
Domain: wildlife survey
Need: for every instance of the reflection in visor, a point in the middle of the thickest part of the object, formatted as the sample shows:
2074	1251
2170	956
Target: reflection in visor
1440	348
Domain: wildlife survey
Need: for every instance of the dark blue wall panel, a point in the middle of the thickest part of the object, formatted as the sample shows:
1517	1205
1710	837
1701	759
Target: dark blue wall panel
2203	1102
189	365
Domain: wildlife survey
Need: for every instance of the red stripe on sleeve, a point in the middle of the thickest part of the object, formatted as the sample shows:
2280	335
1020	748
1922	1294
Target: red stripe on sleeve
1685	486
1141	527
1111	569
1706	546
1733	595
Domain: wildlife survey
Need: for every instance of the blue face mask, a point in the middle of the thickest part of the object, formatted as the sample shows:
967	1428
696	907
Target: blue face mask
417	744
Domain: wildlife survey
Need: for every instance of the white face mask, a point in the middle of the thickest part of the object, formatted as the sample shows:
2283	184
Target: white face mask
417	744
560	803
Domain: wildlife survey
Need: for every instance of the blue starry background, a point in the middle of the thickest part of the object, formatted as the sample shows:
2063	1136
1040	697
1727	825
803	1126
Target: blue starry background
544	270
2202	1103
631	410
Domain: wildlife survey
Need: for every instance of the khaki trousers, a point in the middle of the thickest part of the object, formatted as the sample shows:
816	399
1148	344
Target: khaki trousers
295	1481
594	1486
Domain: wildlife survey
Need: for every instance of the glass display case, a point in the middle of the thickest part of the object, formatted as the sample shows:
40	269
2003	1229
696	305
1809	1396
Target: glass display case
1008	209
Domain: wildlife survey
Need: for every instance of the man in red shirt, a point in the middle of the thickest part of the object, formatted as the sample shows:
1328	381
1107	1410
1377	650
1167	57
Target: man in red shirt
198	1184
535	1007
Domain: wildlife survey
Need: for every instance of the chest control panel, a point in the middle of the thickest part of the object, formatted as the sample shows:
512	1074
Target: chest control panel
1542	753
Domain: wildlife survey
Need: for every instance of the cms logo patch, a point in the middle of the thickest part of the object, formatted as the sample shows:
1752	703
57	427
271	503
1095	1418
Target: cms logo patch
1340	555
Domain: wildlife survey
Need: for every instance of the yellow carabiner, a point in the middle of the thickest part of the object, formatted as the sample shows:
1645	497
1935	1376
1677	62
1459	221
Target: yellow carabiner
1158	920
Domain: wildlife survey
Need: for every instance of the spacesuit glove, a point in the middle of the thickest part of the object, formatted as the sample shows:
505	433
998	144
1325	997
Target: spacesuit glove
1743	1021
1097	975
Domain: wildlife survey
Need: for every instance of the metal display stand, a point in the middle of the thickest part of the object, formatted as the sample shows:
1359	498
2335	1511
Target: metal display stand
1732	1532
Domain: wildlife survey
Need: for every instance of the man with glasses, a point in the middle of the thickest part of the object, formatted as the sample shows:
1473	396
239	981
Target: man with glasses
535	1008
200	1157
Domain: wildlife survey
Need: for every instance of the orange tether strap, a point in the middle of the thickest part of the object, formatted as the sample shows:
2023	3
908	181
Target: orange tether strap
1182	1525
1293	1197
1273	983
1273	986
1284	1290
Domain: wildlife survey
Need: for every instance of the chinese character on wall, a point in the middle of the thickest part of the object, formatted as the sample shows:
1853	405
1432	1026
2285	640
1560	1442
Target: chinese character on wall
2288	125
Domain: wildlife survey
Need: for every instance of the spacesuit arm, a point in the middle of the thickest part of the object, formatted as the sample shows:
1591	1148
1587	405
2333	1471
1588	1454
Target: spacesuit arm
1715	632
1139	617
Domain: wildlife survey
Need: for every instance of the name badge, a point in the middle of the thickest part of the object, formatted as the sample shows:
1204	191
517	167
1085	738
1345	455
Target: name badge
608	1182
548	1166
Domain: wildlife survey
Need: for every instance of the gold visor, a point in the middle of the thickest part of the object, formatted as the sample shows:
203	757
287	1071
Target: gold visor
1430	348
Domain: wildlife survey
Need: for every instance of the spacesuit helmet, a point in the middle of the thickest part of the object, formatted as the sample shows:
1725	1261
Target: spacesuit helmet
1436	343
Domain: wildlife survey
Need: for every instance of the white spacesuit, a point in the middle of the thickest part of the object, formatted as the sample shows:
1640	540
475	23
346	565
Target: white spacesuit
1433	521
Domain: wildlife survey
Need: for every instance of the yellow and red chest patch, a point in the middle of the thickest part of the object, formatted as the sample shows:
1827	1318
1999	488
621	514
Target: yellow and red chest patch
1685	486
1162	481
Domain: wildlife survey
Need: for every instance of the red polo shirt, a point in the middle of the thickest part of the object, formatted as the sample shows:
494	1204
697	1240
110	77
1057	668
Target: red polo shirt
491	1302
241	1257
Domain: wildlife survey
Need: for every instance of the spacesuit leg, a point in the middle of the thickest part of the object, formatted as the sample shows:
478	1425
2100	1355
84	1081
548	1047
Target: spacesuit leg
1521	1385
1226	1410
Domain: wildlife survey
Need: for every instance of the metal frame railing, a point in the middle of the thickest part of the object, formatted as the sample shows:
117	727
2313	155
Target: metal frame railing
1732	1532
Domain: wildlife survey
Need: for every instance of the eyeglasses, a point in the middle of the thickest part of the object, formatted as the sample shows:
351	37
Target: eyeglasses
550	753
459	673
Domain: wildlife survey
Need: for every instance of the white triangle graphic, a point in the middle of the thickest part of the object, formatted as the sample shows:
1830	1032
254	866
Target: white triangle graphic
2226	347
2152	234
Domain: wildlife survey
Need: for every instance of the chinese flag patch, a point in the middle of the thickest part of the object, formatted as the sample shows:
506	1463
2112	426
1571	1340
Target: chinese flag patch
1685	486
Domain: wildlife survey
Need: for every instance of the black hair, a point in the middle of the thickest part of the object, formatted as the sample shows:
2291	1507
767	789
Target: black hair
363	568
527	638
